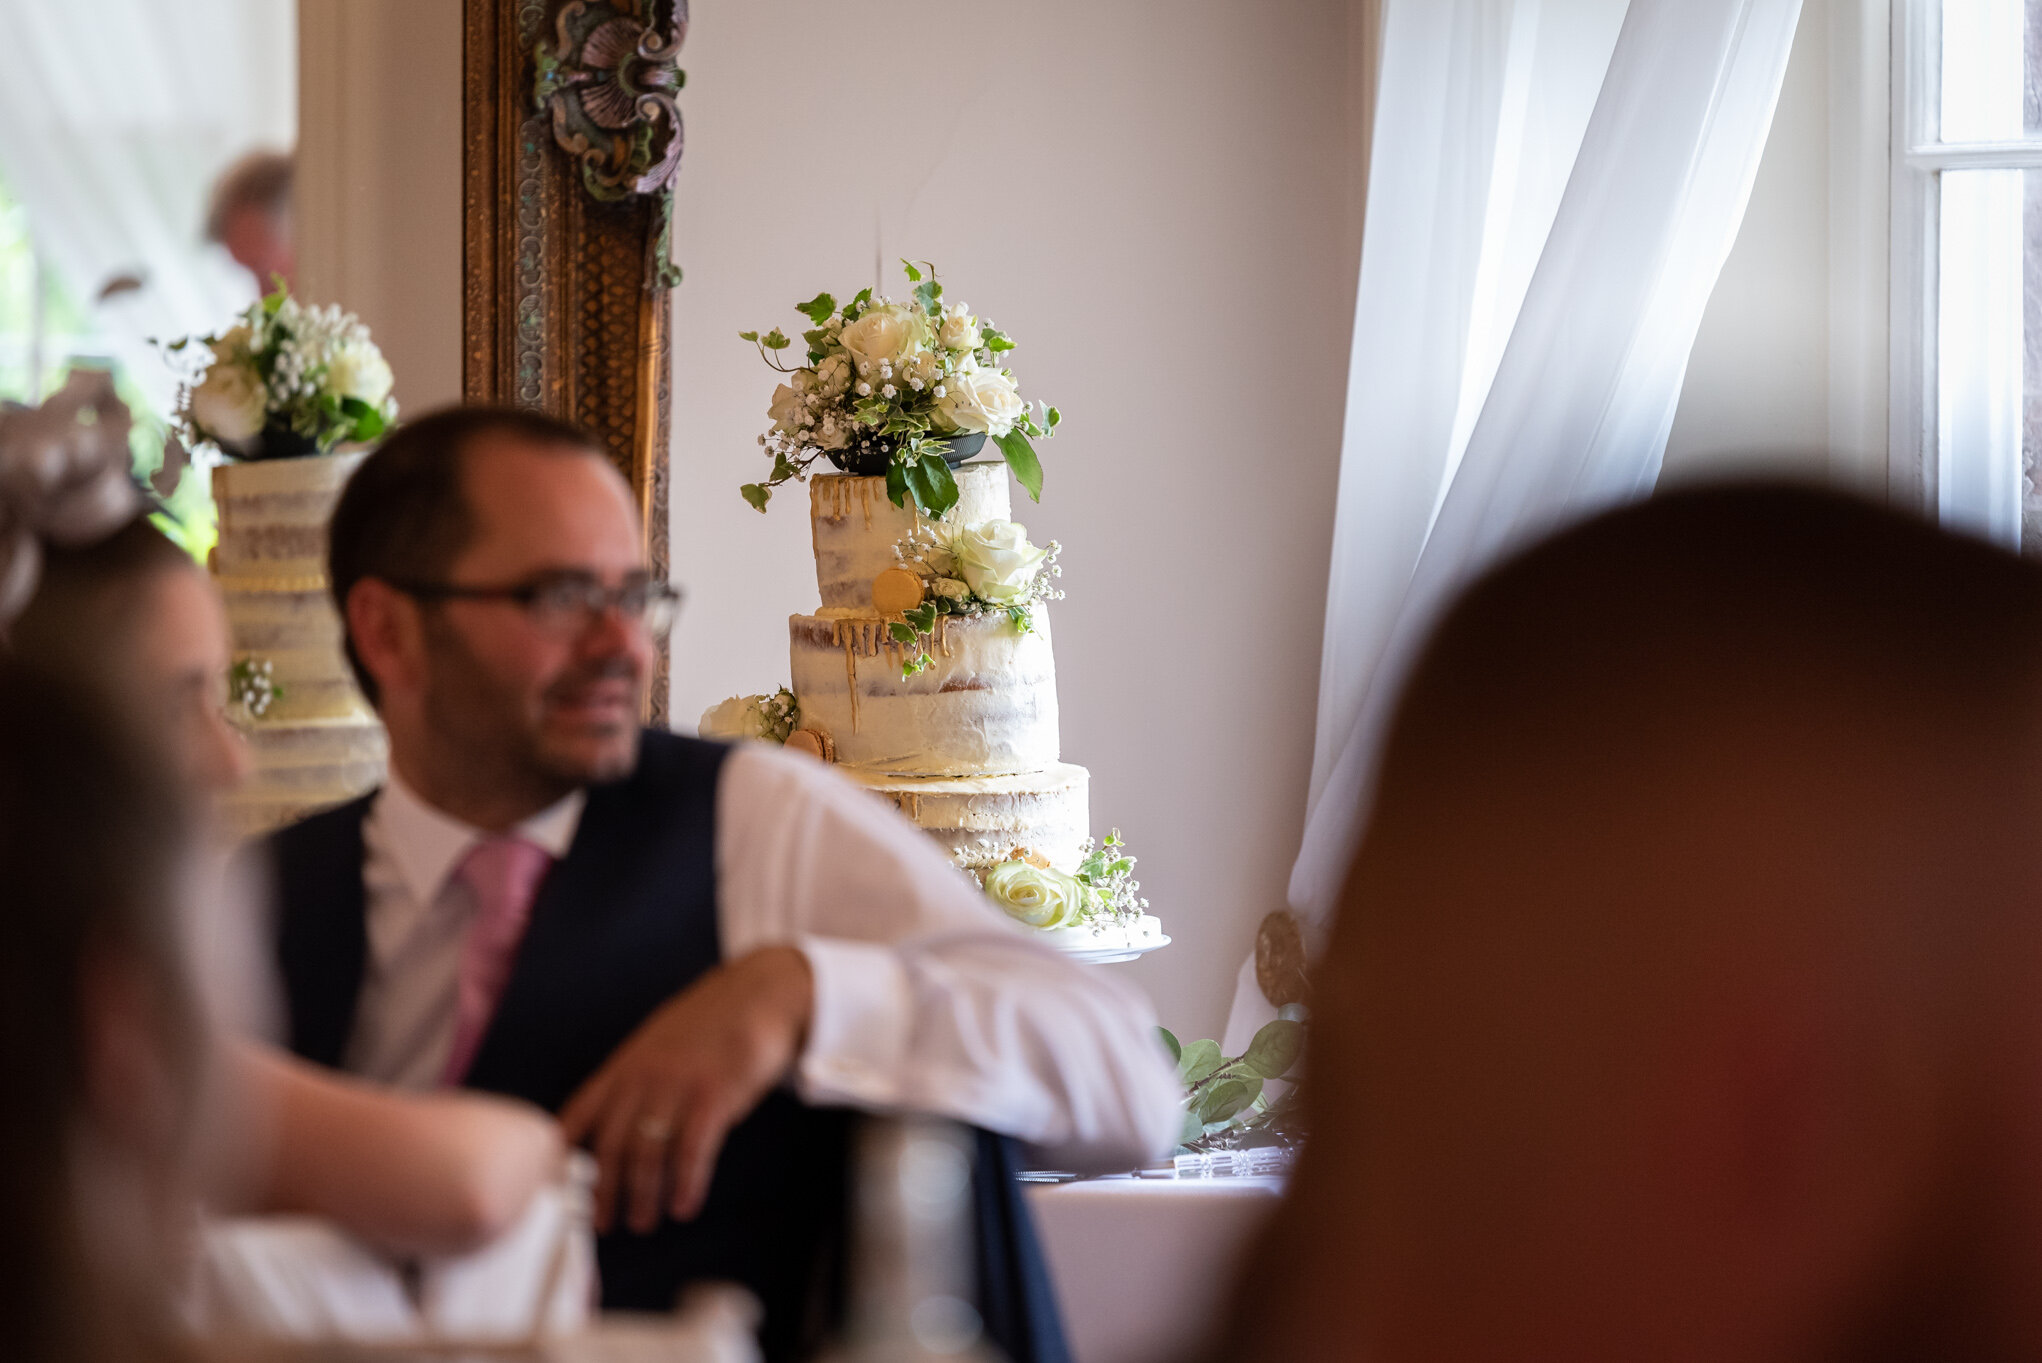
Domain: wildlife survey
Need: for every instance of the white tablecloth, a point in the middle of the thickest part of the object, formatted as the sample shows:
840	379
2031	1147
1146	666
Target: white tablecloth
1143	1265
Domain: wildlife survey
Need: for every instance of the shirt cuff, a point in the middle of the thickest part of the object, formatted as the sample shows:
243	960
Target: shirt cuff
859	1032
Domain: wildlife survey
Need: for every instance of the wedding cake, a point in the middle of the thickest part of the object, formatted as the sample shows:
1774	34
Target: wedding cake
955	726
314	739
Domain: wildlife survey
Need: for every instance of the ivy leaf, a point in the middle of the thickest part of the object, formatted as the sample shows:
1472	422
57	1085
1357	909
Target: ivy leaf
914	275
1021	458
1170	1044
775	339
1053	417
935	491
997	341
748	336
1197	1061
1275	1049
928	295
902	633
1225	1099
756	494
818	308
864	297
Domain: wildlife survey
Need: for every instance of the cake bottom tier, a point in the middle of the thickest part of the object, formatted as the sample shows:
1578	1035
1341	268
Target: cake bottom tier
984	820
305	766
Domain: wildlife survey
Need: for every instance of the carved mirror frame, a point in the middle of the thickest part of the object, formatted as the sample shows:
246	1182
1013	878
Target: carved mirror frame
566	304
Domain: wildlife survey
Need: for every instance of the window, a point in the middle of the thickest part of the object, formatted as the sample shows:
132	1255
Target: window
1967	259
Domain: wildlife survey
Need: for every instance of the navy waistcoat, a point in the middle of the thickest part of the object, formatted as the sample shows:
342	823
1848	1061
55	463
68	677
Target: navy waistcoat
626	920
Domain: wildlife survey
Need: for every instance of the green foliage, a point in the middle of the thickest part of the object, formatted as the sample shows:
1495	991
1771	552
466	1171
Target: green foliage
928	479
757	494
1224	1099
1171	1044
818	308
1021	459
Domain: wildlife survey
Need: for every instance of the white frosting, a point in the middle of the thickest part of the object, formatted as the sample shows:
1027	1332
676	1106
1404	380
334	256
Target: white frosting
855	527
984	820
319	743
273	515
299	634
985	707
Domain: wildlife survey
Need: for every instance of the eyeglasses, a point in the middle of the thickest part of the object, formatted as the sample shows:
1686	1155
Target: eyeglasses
567	603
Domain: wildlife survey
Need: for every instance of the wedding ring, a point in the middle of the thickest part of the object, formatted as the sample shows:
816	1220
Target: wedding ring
655	1129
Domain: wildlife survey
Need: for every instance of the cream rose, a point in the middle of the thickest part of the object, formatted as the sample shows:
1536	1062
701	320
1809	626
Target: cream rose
358	370
1040	898
977	399
959	330
833	376
787	409
887	334
996	558
737	718
230	403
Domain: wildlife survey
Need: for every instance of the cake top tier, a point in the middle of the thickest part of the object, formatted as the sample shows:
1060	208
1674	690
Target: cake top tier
855	527
273	515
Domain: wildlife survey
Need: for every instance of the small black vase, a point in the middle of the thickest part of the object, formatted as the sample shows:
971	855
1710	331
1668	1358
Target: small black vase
278	441
871	460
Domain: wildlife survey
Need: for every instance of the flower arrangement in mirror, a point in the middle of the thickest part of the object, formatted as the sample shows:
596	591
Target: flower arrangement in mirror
985	569
285	380
907	390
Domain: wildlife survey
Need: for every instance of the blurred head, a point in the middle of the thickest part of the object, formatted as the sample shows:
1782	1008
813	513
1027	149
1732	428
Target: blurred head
100	1047
136	621
251	215
495	706
1680	1002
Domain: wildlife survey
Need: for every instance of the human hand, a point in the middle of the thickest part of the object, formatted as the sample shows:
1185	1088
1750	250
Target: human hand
656	1113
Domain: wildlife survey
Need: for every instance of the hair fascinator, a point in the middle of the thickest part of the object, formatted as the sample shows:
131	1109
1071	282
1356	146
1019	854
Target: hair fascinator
64	479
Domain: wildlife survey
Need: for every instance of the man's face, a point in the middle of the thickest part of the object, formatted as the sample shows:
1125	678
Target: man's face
559	703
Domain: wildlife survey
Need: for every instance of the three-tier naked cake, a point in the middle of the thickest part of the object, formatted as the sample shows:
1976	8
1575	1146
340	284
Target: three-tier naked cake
967	747
317	742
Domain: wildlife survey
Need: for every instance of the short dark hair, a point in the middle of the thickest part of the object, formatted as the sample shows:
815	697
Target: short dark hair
260	180
1772	596
403	516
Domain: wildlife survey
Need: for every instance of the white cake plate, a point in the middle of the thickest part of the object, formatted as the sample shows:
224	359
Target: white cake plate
1112	945
1110	955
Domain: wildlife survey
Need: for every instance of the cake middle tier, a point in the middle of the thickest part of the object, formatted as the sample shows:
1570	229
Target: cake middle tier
985	706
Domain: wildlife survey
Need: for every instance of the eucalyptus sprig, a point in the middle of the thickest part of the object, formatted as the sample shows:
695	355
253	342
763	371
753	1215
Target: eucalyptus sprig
1224	1100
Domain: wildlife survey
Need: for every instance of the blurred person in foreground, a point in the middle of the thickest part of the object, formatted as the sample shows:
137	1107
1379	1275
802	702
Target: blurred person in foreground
133	622
1682	1002
102	1041
699	954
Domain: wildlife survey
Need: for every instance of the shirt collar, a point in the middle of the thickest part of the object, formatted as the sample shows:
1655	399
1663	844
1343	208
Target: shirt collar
426	844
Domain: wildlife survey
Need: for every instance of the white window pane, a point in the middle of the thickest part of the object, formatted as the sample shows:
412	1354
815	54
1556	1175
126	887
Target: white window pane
1982	352
1986	70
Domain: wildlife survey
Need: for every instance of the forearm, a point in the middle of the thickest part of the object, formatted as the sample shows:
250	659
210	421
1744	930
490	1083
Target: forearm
414	1173
996	1031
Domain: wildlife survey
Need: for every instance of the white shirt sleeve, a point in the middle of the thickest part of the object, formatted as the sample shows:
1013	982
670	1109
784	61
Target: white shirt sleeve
927	997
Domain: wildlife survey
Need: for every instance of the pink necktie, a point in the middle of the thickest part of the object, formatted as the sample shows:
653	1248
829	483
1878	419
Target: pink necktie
504	873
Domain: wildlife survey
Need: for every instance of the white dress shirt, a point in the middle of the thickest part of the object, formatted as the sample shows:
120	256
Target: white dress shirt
927	997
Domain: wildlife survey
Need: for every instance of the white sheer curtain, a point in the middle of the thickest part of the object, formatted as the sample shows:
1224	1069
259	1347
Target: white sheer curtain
1553	188
115	118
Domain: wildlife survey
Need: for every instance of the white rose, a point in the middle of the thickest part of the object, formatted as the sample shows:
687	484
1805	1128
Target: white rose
887	334
737	718
358	370
959	330
1040	898
833	376
950	588
996	558
230	403
980	400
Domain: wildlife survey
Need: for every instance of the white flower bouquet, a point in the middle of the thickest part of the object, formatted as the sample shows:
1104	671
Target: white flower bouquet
286	379
901	389
1102	891
983	569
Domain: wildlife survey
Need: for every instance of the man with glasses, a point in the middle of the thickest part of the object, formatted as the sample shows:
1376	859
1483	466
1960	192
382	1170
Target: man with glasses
698	955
